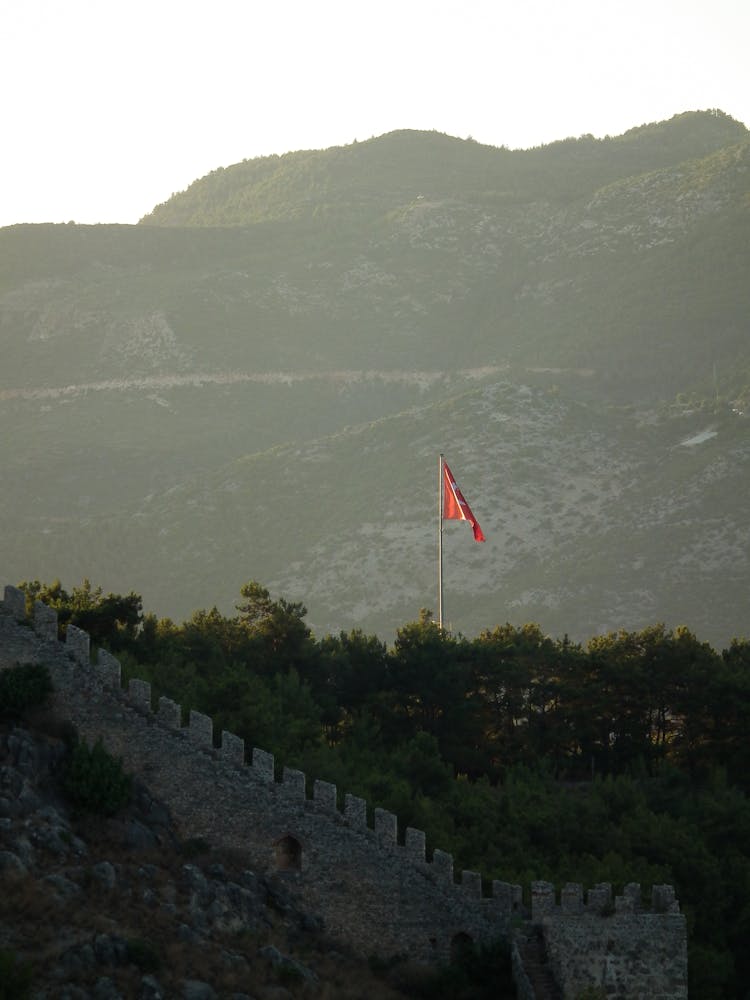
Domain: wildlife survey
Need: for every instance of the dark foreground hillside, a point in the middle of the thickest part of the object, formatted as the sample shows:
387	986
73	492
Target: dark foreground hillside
525	757
108	908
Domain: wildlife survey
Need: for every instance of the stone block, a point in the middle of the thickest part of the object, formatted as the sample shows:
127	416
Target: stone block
630	901
139	692
263	765
442	864
45	621
293	782
170	712
78	645
232	748
663	899
386	826
471	884
201	728
542	900
415	844
502	892
15	602
571	898
108	668
324	795
599	899
355	810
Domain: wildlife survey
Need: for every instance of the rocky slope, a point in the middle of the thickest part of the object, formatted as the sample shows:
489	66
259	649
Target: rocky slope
596	518
121	908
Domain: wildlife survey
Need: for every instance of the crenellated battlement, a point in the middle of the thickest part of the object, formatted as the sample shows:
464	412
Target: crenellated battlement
293	783
374	885
598	901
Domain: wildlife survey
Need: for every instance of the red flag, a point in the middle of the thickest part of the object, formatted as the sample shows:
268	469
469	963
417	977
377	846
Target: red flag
454	505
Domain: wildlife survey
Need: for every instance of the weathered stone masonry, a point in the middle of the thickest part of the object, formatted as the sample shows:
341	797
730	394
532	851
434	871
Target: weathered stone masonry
375	893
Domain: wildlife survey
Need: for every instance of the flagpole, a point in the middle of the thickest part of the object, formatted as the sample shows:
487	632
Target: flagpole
440	542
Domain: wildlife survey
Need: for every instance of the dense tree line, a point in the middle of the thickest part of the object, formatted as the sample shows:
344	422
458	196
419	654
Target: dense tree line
624	759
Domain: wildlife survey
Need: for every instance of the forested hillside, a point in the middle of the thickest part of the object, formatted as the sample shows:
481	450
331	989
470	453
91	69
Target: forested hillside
622	759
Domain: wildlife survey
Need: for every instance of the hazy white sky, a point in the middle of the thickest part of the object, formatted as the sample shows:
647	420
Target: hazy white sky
109	107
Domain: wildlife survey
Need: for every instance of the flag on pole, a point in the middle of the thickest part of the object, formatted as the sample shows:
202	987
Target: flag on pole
455	506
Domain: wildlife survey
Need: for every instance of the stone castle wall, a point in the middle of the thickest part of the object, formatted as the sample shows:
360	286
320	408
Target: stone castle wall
619	944
374	886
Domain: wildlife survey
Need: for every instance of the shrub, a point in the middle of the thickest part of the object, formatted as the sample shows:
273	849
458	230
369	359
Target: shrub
194	847
25	686
143	955
15	977
96	781
49	723
475	973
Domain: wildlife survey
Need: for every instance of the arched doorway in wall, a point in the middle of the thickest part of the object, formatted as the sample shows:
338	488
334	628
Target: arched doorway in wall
288	853
462	945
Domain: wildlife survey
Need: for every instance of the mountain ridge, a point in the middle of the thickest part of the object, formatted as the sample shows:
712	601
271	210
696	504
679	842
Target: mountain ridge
407	160
558	350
